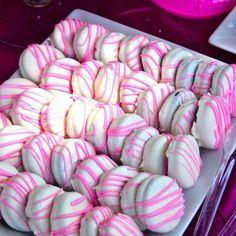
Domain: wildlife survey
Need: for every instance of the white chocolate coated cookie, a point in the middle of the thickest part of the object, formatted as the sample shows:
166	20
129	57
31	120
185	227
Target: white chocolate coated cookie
7	170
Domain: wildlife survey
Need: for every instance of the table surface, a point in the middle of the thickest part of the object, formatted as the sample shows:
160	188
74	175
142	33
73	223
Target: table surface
21	25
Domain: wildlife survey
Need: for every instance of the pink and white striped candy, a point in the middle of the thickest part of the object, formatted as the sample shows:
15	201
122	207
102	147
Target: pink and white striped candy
11	88
12	139
65	156
203	77
132	153
107	83
67	212
53	114
119	225
184	161
91	222
14	199
98	123
170	64
85	41
58	74
87	175
7	170
130	50
4	121
213	119
63	35
107	47
39	206
151	101
152	56
27	107
132	86
37	154
111	184
35	58
159	203
83	78
120	128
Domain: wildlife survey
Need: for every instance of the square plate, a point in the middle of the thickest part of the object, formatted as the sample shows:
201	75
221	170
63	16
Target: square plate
211	158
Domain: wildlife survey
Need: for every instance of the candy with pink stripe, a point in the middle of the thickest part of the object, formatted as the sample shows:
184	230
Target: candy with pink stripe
37	154
12	139
154	154
67	212
170	64
35	58
120	128
63	35
58	74
39	206
4	121
184	117
184	161
107	47
11	88
27	107
152	56
128	197
7	170
65	156
85	40
170	106
186	72
53	114
132	86
98	123
107	83
88	173
119	225
224	84
91	222
77	116
159	203
213	119
132	153
130	50
14	199
83	78
203	77
151	101
111	184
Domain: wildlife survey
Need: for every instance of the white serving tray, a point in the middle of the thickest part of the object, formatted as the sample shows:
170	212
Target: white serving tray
211	159
225	35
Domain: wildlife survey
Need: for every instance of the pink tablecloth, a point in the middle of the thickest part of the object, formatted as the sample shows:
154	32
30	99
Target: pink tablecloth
21	25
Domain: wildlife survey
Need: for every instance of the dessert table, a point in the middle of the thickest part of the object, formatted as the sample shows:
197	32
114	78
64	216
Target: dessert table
21	25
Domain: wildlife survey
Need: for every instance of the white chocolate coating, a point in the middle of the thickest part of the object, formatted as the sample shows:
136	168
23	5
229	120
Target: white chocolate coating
132	86
170	106
151	101
39	206
98	123
83	78
35	58
170	64
184	161
152	56
111	184
11	88
120	128
27	108
58	74
14	199
107	83
154	154
7	170
4	121
107	47
132	153
65	156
